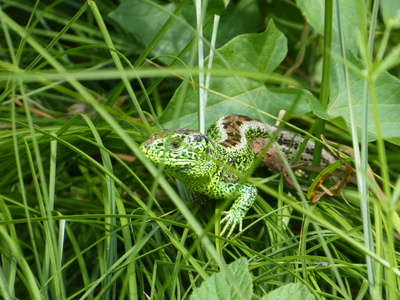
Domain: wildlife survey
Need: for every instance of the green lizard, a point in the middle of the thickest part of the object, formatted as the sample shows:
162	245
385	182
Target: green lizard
212	164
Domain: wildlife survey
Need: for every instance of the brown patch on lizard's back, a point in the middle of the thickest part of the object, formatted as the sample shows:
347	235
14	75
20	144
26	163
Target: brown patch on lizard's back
232	125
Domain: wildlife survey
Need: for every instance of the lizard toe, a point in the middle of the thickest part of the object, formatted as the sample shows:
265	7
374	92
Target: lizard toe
231	222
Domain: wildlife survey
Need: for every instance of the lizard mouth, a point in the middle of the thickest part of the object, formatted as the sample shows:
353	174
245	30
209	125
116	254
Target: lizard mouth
167	160
171	158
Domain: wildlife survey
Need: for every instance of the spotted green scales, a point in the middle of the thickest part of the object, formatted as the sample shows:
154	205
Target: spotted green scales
212	164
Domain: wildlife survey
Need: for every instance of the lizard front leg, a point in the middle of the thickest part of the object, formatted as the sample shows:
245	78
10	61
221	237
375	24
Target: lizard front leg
247	195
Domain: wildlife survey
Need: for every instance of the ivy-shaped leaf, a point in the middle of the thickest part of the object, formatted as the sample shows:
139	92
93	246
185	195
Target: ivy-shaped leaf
218	286
261	52
291	291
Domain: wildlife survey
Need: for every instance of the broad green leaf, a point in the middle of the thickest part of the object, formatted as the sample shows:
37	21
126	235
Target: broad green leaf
352	15
291	291
262	52
218	286
390	9
144	19
387	89
256	52
260	97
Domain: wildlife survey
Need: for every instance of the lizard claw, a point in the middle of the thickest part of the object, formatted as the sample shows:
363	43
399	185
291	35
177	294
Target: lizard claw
231	222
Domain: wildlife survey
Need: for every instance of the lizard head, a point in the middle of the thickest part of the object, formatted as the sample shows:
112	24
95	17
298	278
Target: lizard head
183	152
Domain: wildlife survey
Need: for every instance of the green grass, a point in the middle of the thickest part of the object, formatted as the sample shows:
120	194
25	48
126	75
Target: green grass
84	215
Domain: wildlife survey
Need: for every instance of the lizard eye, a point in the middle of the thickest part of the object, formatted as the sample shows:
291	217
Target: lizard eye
176	143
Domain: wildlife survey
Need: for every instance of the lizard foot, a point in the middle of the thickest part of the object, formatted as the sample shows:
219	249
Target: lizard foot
231	221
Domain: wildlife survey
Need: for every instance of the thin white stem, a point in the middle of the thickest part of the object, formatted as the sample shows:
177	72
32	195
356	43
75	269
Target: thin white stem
200	50
211	56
